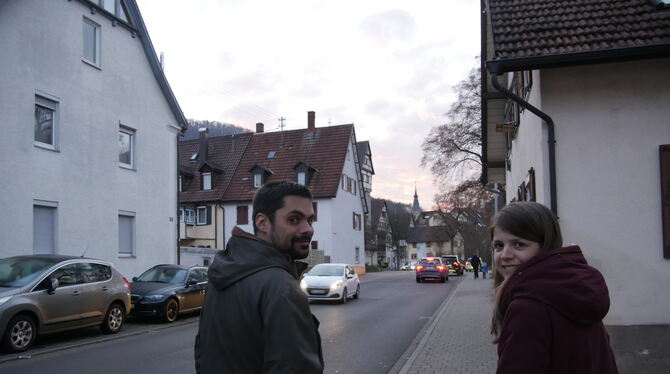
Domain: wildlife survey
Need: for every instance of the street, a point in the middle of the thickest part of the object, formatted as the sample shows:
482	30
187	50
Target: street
363	336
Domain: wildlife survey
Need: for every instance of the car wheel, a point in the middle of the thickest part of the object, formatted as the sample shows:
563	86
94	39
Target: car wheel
443	279
418	280
358	292
171	311
343	300
20	334
114	319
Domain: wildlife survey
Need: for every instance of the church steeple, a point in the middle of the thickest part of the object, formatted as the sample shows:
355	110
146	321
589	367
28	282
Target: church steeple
416	209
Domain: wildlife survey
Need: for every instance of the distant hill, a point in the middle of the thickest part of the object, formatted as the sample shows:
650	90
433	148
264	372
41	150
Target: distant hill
215	128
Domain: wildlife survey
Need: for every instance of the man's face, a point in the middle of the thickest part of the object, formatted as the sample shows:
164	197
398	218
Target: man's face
291	231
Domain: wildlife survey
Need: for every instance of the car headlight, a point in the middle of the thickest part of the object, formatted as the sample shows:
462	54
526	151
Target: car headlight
5	299
153	298
335	285
303	284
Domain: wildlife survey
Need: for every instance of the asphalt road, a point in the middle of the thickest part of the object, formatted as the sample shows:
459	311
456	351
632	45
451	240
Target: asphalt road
363	336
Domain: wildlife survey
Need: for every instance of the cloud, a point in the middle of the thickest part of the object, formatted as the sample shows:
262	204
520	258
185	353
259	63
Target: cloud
389	26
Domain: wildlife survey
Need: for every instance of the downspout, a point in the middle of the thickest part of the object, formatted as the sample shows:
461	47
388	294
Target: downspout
178	220
550	131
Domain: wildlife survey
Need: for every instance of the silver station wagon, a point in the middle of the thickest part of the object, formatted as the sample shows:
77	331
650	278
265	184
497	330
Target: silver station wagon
42	294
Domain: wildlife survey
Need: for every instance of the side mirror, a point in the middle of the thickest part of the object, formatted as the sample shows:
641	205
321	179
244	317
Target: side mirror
52	284
191	282
349	276
134	279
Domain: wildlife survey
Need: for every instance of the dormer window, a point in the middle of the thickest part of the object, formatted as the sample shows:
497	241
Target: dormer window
303	173
260	175
206	181
258	180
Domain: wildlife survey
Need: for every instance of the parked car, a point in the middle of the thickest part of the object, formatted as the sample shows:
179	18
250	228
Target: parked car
412	265
454	264
165	291
431	268
468	266
42	294
331	282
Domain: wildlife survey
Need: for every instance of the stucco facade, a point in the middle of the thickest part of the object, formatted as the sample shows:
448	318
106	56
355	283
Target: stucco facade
80	176
610	121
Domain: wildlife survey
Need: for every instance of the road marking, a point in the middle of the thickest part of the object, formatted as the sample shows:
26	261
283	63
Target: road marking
427	334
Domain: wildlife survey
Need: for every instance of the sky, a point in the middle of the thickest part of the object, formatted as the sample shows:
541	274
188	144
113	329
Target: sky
386	66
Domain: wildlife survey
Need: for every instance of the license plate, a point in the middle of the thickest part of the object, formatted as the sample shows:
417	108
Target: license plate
318	292
430	268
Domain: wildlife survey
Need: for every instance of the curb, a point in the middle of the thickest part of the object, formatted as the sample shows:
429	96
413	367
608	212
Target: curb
425	335
96	340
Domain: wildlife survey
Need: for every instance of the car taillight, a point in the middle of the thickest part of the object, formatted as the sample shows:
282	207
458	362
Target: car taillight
440	268
419	267
125	281
456	264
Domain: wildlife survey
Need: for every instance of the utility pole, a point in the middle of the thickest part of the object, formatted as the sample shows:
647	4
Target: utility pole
281	129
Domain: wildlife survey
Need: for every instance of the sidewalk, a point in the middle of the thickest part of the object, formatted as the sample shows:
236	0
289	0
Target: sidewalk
457	340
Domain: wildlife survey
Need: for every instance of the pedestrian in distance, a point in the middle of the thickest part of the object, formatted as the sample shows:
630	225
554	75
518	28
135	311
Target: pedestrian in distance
475	262
485	269
549	303
255	318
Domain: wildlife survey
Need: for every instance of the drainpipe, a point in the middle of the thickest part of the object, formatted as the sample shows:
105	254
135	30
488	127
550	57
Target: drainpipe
550	130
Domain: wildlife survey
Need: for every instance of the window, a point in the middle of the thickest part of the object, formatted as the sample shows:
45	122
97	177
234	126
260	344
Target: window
180	189
206	181
204	215
664	151
301	178
126	233
91	52
357	255
46	120
126	147
44	227
413	245
357	221
91	272
315	244
205	261
242	214
67	275
258	180
314	206
187	215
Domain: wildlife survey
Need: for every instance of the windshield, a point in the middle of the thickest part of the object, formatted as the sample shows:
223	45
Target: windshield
327	270
163	275
19	271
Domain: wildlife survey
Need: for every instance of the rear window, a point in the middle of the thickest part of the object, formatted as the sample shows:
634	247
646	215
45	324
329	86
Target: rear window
430	262
450	258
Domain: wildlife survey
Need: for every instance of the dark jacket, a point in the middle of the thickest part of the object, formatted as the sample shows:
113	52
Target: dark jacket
256	318
553	309
475	262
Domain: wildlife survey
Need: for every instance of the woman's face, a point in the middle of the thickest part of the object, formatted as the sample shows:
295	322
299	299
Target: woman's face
511	251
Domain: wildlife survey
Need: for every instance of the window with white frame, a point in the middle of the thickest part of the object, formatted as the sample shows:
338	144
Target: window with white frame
126	233
180	185
126	147
44	226
91	48
358	255
202	215
187	215
258	180
301	178
357	222
46	122
206	181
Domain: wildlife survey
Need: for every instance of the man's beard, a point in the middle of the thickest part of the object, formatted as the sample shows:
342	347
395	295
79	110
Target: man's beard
290	249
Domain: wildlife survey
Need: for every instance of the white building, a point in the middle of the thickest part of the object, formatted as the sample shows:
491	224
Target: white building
324	159
606	100
89	135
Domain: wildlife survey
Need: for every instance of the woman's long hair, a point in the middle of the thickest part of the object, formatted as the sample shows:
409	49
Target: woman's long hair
530	221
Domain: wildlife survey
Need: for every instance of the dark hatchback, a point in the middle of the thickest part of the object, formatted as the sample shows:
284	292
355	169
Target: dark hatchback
165	291
431	268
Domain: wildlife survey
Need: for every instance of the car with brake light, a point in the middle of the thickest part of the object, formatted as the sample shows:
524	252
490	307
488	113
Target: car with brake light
165	291
431	268
454	264
334	282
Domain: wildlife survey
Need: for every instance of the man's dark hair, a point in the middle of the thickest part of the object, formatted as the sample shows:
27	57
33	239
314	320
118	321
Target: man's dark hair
270	198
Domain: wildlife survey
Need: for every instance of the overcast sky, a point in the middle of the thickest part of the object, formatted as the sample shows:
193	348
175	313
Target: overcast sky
387	66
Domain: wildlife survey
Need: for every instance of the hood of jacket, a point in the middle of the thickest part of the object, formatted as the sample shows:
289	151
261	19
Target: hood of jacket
562	279
244	255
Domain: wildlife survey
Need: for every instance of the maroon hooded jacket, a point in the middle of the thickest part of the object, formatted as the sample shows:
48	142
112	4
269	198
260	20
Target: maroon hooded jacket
553	308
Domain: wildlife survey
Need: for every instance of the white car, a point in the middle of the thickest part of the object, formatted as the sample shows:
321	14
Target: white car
331	282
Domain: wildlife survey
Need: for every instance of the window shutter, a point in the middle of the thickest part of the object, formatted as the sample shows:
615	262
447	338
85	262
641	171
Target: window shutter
354	220
209	215
665	197
44	230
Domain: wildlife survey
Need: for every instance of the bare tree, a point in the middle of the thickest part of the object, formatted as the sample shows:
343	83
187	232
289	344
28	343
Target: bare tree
455	147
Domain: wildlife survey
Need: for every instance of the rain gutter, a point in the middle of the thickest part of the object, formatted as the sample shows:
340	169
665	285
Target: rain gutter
550	130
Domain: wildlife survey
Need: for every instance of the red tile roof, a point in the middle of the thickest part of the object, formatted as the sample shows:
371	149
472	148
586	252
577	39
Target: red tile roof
225	153
323	149
530	28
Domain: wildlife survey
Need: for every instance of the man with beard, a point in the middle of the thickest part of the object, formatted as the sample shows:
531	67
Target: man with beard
255	318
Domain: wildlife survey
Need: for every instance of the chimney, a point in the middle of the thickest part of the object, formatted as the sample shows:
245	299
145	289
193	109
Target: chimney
260	128
204	146
310	120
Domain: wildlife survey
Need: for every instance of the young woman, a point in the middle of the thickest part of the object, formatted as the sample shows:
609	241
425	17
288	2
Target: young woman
549	303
